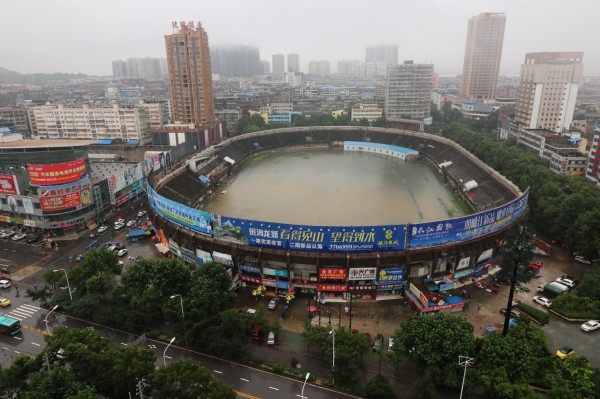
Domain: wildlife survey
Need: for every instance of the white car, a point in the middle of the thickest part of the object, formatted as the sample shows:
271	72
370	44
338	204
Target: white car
130	223
102	229
141	213
8	234
565	281
391	344
590	325
542	301
18	237
119	226
4	284
122	252
581	259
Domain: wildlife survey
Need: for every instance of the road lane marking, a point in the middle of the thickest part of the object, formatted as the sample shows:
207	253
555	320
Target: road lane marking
19	338
273	388
243	379
218	372
31	306
123	343
35	343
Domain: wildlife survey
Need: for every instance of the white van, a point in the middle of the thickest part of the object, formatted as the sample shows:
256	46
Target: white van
271	338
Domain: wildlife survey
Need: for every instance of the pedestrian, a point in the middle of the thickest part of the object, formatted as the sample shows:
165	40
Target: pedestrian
478	307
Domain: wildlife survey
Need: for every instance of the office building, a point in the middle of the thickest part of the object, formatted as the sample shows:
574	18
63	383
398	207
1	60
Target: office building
548	89
369	112
233	61
190	76
318	68
293	63
383	53
408	91
266	67
278	63
485	36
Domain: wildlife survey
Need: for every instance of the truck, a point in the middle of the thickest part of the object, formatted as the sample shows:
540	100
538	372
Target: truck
553	289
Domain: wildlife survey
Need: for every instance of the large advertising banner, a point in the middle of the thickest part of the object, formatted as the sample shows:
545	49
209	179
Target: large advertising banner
448	231
391	275
58	173
362	273
128	176
9	185
28	205
193	219
56	198
310	238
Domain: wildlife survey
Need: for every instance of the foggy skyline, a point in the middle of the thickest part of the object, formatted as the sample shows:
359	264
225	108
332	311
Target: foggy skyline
80	36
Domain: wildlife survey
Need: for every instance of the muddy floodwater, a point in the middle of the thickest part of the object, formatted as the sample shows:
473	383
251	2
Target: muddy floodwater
328	186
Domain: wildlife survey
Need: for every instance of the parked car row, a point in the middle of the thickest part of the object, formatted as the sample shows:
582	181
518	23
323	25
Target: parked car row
20	237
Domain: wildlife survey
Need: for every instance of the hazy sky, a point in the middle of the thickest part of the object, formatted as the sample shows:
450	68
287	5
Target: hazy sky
85	36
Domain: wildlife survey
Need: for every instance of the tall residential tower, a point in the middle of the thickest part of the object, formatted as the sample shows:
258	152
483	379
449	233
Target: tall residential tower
293	63
278	63
483	51
190	76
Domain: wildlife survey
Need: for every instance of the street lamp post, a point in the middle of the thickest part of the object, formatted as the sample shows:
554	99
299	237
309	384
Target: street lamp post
46	318
332	332
181	299
464	361
303	385
165	352
68	285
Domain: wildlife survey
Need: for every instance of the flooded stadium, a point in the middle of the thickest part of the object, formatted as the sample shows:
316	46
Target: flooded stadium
327	186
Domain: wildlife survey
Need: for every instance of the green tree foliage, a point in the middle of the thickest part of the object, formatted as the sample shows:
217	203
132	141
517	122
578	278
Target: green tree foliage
186	379
517	253
210	291
572	378
379	388
314	336
348	349
423	388
249	124
14	378
498	386
379	122
57	383
566	209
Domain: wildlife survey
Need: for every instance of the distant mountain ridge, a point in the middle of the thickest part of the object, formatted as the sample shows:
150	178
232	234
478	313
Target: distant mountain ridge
13	77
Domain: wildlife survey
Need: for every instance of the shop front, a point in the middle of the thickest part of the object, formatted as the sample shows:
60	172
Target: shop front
427	303
275	275
332	283
304	278
389	281
361	282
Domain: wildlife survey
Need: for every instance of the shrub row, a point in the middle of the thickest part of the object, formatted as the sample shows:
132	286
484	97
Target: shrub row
536	314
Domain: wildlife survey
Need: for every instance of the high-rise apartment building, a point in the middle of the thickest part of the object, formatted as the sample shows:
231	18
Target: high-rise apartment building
140	68
548	89
190	76
318	68
235	61
266	67
353	67
278	63
592	172
382	53
408	91
293	63
485	36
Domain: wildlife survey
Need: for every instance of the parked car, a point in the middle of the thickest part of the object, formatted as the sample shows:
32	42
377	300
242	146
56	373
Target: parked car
273	303
131	223
590	325
34	240
5	284
542	301
271	338
513	315
565	351
257	334
378	343
9	234
122	252
119	226
565	281
4	302
581	259
390	344
93	235
19	237
141	213
102	229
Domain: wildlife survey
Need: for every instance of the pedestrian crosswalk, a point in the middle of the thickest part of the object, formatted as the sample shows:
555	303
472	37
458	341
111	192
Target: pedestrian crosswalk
23	312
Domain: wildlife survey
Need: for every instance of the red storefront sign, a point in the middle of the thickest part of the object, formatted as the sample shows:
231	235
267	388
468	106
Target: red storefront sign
8	184
329	273
58	173
332	287
60	202
251	280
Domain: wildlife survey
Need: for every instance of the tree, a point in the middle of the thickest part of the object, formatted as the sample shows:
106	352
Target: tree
57	383
348	348
379	122
186	379
573	379
379	388
210	290
42	294
315	336
423	388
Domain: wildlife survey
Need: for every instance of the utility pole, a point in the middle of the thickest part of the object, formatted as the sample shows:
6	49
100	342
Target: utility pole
141	385
518	248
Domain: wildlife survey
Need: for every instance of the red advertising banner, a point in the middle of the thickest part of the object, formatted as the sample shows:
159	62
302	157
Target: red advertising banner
329	273
58	173
8	184
332	287
66	201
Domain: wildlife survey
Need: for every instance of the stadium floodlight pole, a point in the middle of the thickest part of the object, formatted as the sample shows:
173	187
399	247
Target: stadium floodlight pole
464	361
46	318
165	352
303	385
181	299
68	285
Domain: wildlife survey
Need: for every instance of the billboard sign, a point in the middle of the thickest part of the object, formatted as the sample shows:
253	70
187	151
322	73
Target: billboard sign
362	273
193	219
332	287
391	275
27	205
310	238
331	273
8	184
56	198
58	173
450	231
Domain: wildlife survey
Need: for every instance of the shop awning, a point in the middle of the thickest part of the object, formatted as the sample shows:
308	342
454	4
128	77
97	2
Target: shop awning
133	142
163	249
224	259
105	142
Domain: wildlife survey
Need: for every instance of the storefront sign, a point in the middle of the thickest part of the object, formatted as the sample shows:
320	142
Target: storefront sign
358	287
418	294
463	263
251	279
250	269
332	287
203	256
362	273
282	285
29	223
187	255
329	273
463	273
58	173
389	275
268	282
387	287
224	259
9	185
275	272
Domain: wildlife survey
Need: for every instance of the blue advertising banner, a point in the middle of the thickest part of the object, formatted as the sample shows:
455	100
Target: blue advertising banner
283	285
460	229
390	275
310	238
193	219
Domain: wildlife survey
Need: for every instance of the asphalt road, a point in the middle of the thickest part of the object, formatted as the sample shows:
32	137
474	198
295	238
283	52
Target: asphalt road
563	333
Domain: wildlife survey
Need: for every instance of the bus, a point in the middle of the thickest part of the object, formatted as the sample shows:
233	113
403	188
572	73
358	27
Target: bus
9	326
